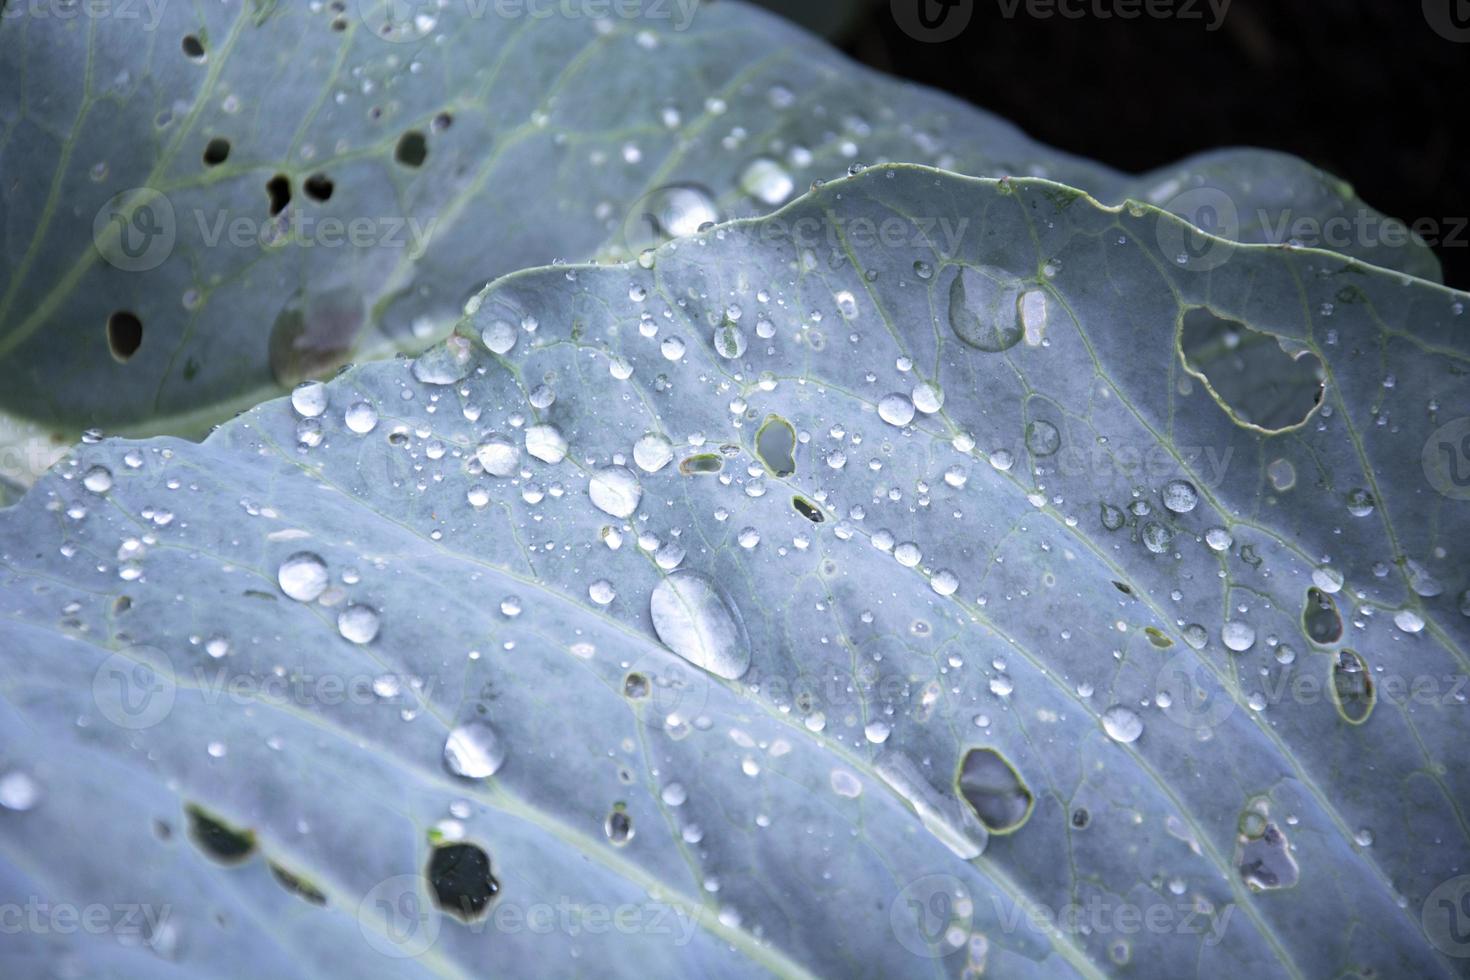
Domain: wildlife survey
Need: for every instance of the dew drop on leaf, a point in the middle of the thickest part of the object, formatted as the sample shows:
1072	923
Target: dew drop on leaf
499	456
499	337
1238	636
1180	496
303	576
693	619
1122	724
309	399
546	443
358	623
615	490
896	409
473	751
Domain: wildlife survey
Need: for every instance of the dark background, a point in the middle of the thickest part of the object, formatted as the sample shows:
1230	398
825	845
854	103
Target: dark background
1364	89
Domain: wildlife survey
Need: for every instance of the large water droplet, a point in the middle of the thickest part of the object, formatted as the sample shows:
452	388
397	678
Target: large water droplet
499	456
19	791
1122	724
445	364
1238	636
953	824
668	212
984	309
358	623
767	181
473	750
652	452
303	576
695	620
309	399
615	490
546	443
896	409
499	337
1180	496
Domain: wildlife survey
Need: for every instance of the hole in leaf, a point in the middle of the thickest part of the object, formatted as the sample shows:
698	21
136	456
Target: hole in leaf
1081	818
618	826
1157	637
124	335
1320	619
990	784
443	121
1123	587
702	464
298	885
460	876
1352	687
808	510
193	47
226	844
775	444
412	149
1252	374
278	189
1265	862
635	686
319	187
216	151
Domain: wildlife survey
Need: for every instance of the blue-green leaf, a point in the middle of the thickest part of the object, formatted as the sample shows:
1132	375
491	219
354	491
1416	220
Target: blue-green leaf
654	670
